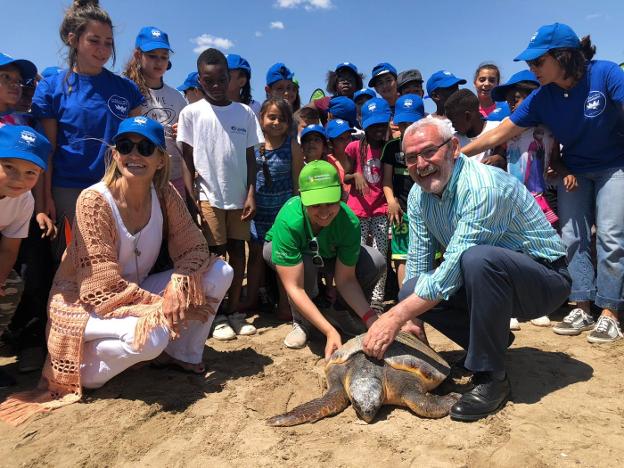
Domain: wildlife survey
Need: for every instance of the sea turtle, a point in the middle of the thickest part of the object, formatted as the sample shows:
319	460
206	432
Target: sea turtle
408	371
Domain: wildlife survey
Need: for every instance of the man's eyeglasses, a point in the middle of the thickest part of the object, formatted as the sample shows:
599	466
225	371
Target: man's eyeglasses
317	260
6	80
144	147
412	159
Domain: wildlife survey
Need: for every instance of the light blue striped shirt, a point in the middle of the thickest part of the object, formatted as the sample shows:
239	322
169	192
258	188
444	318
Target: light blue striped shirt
481	205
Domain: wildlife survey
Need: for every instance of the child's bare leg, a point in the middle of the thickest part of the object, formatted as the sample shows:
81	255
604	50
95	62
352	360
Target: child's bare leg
236	253
255	276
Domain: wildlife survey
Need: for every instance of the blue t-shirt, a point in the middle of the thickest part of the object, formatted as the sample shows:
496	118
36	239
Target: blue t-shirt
589	122
88	110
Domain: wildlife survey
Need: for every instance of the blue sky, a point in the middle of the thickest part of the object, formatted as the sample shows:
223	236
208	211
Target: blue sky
312	36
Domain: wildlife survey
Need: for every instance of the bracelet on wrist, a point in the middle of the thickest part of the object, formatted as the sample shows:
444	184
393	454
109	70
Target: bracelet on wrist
368	315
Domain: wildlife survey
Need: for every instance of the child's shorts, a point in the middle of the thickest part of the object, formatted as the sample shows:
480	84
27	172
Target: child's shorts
13	289
400	239
220	225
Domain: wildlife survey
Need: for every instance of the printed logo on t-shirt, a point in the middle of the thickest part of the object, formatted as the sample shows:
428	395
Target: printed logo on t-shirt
162	115
399	157
372	171
595	104
238	130
119	106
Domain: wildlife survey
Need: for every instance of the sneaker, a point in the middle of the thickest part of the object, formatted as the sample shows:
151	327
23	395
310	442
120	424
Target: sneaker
240	327
222	329
514	324
542	321
574	323
297	337
607	329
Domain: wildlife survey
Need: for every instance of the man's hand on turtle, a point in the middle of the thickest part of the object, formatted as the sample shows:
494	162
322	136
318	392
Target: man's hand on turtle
380	335
417	328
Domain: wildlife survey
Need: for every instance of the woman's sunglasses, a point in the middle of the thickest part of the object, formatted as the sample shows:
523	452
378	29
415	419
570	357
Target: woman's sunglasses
317	260
144	147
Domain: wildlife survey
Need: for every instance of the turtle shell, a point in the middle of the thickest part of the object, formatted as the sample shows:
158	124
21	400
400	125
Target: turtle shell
406	353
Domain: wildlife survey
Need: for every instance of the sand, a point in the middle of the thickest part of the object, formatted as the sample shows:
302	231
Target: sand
567	410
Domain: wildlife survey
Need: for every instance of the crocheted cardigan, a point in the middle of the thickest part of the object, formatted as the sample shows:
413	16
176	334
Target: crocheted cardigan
89	281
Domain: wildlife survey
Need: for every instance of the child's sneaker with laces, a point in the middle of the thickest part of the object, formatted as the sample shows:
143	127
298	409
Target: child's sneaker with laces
607	330
576	322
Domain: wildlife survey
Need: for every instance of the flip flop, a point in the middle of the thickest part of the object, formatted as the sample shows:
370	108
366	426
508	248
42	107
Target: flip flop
168	362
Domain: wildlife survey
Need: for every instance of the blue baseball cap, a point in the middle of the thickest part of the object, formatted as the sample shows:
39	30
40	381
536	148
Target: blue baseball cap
502	110
236	62
375	111
348	65
381	69
192	81
364	92
144	126
27	69
313	128
408	109
277	72
51	71
442	79
499	92
337	127
152	38
341	107
21	142
550	36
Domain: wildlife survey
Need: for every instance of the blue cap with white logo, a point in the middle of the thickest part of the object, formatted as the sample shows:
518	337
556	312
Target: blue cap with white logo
408	109
364	92
341	107
21	142
337	127
381	69
192	81
151	38
236	62
499	92
27	69
144	126
278	72
548	37
375	111
348	65
313	128
442	79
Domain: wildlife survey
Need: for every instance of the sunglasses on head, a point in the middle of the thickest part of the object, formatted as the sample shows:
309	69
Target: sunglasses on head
317	260
144	147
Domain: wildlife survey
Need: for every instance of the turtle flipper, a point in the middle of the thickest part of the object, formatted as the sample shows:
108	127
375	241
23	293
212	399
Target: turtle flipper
333	402
427	405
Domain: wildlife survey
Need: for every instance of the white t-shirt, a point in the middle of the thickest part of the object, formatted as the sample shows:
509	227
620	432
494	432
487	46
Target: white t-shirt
220	137
147	241
464	140
164	105
15	214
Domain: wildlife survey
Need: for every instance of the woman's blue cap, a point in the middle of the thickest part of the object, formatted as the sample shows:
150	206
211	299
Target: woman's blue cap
21	142
408	109
152	38
499	92
27	69
375	111
278	72
548	37
236	62
144	126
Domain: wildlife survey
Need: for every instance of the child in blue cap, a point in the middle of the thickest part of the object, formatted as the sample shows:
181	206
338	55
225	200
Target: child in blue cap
344	80
240	82
23	156
146	67
340	134
365	175
440	86
280	83
191	89
14	73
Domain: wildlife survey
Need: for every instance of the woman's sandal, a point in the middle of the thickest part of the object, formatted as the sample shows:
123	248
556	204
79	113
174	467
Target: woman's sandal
164	361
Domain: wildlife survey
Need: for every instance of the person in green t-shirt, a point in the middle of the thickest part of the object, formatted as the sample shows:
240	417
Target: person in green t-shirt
313	233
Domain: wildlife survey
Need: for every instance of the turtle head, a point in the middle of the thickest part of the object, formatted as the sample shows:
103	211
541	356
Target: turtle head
367	396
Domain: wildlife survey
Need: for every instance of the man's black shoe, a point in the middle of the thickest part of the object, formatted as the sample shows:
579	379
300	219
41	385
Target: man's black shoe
487	397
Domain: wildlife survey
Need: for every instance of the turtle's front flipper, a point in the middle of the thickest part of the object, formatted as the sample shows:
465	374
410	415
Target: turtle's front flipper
333	402
427	405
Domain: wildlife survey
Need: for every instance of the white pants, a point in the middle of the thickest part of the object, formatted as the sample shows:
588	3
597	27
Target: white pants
108	351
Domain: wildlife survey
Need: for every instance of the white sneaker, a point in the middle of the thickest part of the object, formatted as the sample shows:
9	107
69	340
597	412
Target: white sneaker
542	321
514	324
240	326
222	330
297	337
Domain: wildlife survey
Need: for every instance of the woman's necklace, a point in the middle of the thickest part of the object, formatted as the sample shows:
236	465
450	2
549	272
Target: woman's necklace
137	254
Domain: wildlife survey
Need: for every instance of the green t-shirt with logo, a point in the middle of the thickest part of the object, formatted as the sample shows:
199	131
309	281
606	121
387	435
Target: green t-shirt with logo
291	234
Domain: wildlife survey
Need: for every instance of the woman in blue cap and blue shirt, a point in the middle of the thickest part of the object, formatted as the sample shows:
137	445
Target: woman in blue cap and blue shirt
582	102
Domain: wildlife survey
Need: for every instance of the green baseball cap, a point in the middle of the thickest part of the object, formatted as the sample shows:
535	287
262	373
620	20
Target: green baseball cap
319	183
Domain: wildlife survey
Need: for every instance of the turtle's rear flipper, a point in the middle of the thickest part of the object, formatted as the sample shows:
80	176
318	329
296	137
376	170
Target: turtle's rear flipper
333	402
427	405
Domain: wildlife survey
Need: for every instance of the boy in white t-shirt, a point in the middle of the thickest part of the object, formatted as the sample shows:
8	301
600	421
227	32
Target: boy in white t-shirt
218	137
23	153
462	109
